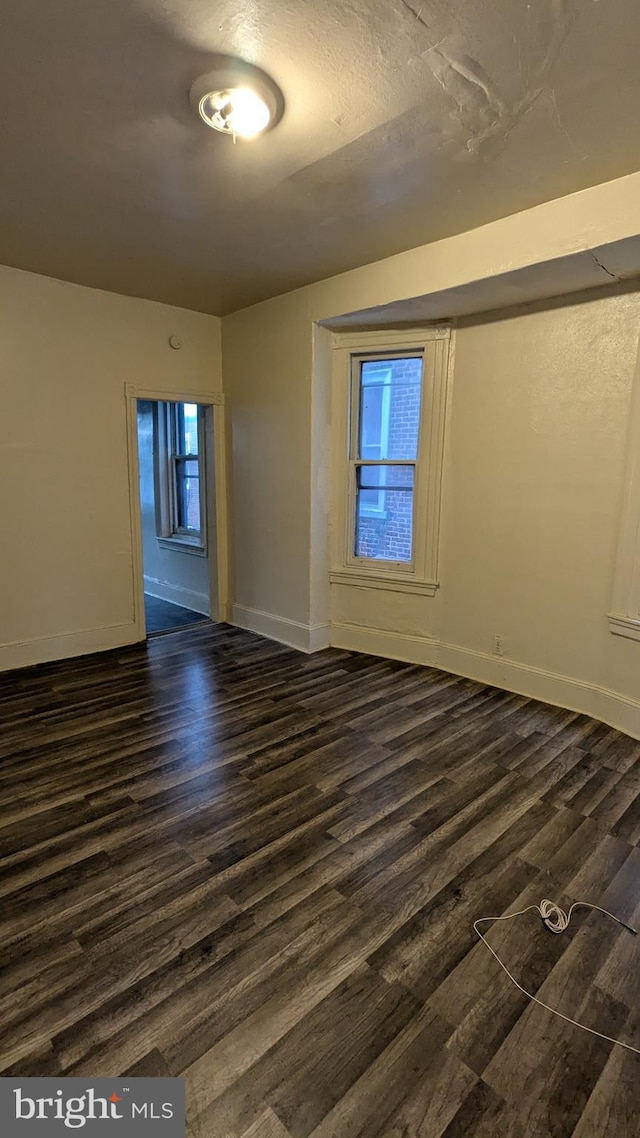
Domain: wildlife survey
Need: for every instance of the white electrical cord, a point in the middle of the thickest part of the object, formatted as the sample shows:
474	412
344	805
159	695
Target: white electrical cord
556	920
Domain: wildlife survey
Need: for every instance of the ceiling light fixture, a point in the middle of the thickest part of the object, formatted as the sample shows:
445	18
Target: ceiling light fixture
239	111
237	98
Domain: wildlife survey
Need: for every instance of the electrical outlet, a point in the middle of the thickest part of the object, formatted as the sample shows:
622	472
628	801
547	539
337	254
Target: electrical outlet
498	646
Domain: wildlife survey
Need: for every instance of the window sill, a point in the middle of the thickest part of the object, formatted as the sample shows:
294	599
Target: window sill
621	625
393	583
183	545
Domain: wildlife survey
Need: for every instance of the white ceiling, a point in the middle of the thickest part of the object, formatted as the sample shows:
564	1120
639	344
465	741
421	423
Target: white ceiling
406	121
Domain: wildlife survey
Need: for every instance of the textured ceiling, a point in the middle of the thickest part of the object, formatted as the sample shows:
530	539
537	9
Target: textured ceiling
406	121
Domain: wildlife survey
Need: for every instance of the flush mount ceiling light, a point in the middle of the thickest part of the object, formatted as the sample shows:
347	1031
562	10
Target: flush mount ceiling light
237	98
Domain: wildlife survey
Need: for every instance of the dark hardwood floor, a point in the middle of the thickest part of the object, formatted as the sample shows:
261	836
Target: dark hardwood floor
226	860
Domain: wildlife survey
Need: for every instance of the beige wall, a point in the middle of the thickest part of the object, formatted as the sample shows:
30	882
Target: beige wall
534	485
533	476
66	352
267	361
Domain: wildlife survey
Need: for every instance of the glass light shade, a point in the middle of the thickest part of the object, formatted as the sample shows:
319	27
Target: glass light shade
238	111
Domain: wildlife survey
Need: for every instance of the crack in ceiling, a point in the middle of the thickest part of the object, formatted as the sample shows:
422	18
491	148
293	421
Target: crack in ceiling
482	110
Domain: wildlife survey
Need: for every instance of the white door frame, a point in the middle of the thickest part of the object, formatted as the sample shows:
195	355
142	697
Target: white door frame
218	567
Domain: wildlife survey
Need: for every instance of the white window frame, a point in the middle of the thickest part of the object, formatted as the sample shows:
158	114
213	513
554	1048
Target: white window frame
624	617
421	574
169	533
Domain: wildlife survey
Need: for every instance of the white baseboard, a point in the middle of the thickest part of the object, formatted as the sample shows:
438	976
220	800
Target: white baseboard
23	653
393	645
319	636
188	598
305	637
225	612
550	687
590	699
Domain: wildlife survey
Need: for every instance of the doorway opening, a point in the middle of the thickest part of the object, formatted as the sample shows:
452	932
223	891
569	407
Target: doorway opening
177	515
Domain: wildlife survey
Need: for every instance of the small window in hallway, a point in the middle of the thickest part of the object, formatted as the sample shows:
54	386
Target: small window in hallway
186	467
179	472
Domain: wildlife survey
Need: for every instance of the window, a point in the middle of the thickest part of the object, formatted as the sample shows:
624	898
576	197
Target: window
385	413
390	397
624	617
180	495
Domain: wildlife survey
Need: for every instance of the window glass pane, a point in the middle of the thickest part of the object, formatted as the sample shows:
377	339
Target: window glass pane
390	394
384	512
188	494
372	408
187	428
370	498
394	477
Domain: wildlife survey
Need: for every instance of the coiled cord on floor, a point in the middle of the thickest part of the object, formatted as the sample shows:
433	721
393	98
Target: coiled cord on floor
556	921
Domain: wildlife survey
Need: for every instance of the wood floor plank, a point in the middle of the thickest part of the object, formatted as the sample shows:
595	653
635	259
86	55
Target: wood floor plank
368	1106
540	1042
267	1125
485	1115
307	1072
433	1103
613	1107
188	1005
258	869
